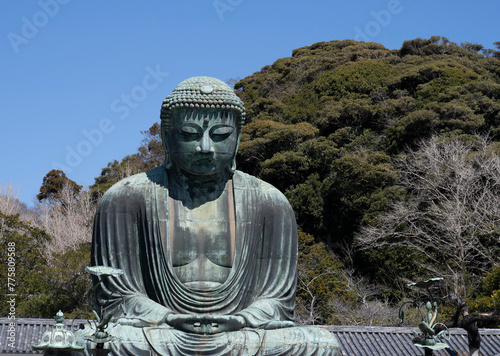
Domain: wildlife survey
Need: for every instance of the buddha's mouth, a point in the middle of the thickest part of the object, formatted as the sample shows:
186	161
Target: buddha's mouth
205	162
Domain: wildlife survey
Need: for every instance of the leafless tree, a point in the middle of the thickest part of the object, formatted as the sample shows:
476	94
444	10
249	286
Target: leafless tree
11	205
371	313
232	81
357	306
452	217
69	222
9	200
364	309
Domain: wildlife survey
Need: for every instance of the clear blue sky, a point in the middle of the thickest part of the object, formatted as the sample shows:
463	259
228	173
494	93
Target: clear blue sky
80	79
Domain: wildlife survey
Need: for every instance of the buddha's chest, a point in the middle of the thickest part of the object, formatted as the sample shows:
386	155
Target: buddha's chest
201	235
201	242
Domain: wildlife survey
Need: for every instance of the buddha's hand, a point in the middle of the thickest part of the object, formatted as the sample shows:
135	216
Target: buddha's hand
205	324
132	322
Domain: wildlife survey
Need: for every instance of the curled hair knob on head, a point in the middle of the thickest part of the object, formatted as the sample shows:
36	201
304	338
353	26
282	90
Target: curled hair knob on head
202	93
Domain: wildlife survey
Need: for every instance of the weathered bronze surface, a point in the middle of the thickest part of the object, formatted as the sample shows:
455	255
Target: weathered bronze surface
427	337
209	253
59	340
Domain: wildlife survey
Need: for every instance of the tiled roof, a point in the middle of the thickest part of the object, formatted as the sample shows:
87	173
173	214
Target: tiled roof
354	340
388	341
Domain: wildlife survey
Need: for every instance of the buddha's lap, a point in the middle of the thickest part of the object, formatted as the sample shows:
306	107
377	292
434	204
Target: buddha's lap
300	340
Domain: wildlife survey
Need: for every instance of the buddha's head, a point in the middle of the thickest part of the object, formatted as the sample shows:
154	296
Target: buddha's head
201	125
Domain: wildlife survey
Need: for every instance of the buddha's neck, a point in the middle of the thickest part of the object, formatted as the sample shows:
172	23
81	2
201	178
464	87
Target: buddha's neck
196	188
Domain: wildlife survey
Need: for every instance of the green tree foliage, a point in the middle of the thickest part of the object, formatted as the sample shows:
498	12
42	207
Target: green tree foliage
488	298
473	47
426	47
65	284
42	286
363	105
53	185
320	280
26	262
354	80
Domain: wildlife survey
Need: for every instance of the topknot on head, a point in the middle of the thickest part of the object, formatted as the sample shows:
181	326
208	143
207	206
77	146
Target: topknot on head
202	93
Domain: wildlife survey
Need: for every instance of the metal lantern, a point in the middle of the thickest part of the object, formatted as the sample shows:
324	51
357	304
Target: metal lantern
58	339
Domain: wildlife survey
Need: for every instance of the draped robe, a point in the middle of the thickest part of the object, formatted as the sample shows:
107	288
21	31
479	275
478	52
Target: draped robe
131	232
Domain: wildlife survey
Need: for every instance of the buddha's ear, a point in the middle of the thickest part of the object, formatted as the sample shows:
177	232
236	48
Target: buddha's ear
168	159
232	166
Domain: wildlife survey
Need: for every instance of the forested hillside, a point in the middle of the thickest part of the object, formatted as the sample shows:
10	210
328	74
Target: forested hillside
390	159
344	129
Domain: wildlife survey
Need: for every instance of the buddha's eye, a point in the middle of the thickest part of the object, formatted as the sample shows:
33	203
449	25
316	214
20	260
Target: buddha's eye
189	132
219	133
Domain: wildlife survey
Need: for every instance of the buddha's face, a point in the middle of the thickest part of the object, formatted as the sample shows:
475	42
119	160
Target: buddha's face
202	142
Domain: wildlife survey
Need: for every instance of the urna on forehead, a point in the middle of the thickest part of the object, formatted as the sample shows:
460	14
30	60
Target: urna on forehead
202	93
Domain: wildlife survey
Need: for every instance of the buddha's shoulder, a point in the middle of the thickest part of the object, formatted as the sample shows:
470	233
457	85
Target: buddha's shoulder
244	181
136	185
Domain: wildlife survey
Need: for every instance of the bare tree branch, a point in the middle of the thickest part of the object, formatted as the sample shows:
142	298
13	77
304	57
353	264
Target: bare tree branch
69	222
452	218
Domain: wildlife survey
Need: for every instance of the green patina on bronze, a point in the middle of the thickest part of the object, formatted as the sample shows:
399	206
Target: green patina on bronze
426	338
208	253
59	340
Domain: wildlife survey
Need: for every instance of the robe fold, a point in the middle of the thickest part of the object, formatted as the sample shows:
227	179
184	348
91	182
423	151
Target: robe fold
131	232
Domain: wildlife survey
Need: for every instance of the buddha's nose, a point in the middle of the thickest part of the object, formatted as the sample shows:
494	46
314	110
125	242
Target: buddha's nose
205	145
